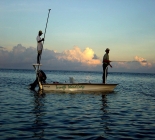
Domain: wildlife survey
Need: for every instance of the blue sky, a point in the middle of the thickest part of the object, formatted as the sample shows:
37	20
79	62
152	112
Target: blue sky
82	28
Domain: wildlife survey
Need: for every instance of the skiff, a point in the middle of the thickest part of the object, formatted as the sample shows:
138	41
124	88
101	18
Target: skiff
72	87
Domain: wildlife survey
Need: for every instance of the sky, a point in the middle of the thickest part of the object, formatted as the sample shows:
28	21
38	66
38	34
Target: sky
77	34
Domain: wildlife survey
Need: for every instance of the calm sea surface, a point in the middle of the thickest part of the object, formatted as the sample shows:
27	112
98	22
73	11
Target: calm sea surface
126	113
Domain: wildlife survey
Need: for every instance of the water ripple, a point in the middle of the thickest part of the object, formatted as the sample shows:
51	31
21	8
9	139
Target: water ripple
126	113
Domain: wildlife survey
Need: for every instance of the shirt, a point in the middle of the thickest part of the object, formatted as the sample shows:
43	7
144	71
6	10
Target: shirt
105	57
39	44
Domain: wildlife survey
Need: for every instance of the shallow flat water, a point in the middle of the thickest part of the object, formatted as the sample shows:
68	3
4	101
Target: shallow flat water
126	113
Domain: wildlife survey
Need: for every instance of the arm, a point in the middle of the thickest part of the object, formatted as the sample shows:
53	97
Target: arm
41	40
107	61
110	65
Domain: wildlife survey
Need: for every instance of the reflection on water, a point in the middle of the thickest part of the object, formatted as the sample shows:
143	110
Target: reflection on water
38	111
129	114
104	115
104	103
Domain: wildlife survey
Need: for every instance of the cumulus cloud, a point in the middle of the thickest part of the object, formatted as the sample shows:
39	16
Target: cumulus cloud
143	61
2	47
21	57
139	65
74	59
85	57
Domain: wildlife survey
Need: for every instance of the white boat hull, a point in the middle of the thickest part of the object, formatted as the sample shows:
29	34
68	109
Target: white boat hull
78	87
73	87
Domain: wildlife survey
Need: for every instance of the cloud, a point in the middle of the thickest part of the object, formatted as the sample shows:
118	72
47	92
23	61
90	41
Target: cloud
74	59
139	65
143	61
2	47
85	57
21	57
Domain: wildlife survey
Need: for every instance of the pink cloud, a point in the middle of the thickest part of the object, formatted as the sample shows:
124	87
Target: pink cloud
73	59
85	57
143	61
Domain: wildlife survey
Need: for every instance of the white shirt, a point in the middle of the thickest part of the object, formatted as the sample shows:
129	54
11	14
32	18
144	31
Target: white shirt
39	44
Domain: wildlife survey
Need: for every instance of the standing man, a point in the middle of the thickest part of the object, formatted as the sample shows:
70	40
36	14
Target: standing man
106	62
39	46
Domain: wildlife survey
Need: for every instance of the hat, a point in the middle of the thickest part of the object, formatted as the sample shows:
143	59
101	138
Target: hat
107	49
40	32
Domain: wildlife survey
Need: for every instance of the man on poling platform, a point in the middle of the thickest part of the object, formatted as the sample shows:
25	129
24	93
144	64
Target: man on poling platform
39	46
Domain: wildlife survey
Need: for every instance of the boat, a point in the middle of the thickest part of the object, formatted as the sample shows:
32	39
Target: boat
72	86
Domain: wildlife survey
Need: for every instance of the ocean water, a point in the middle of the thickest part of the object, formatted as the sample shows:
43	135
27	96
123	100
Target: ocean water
126	113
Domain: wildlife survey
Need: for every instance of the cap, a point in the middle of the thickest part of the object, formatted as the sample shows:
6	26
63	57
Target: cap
107	49
40	32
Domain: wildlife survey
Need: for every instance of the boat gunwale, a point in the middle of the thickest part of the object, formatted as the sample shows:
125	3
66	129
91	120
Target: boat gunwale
79	84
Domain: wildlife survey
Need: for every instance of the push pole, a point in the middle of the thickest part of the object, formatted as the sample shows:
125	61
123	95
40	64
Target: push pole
46	24
45	31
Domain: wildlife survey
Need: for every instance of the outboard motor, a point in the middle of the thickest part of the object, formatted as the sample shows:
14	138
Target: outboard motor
42	79
42	76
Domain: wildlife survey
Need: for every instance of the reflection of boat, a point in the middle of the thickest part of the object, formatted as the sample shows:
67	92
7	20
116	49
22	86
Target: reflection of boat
71	87
38	112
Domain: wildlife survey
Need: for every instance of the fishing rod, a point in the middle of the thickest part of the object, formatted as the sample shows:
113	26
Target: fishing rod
46	24
144	61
